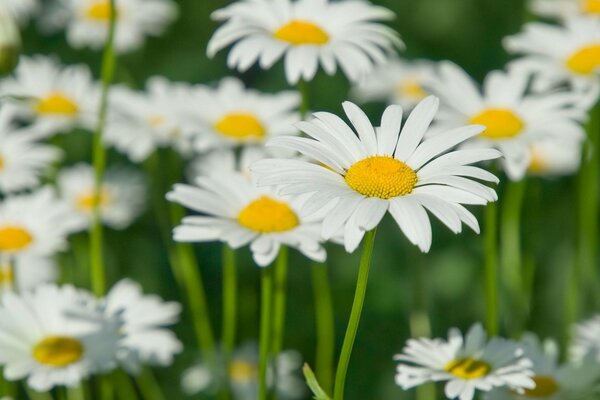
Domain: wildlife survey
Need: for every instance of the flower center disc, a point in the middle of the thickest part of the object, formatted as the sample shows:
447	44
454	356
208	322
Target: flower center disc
58	351
412	89
591	6
86	201
468	368
57	103
99	11
381	176
156	121
585	61
240	126
302	32
267	215
500	123
6	277
13	238
242	371
545	386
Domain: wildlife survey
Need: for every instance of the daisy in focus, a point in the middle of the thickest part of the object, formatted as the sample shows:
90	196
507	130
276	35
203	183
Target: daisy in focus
565	9
306	33
467	364
64	340
21	10
55	99
554	157
122	196
390	168
514	119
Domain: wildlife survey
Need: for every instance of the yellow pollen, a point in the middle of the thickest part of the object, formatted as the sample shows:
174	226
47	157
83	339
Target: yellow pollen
87	200
243	371
7	277
381	176
299	32
57	103
545	386
14	238
412	89
240	126
58	351
156	121
468	368
585	61
500	123
99	10
591	6
267	215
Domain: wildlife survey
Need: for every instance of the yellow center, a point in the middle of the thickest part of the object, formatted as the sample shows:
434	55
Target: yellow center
240	126
500	123
381	176
412	89
299	32
1	163
6	277
545	386
57	103
538	163
156	121
267	215
585	61
99	10
243	371
87	200
591	6
468	368
14	238
58	351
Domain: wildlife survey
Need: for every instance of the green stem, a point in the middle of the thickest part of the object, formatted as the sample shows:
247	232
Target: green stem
229	303
76	393
149	386
125	388
98	273
107	391
491	268
325	325
265	331
357	305
279	300
303	89
33	395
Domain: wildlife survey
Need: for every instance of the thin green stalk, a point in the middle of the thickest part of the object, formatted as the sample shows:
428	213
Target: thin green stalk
33	395
303	89
98	273
279	299
357	305
107	389
75	393
124	385
149	386
325	326
265	331
491	268
229	303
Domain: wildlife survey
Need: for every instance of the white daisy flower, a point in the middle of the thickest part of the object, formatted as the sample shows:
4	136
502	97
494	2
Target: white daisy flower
86	21
554	157
10	41
122	196
231	115
21	10
145	338
565	9
28	272
306	33
238	213
513	118
55	99
23	161
34	224
467	365
382	169
55	336
559	54
586	340
396	82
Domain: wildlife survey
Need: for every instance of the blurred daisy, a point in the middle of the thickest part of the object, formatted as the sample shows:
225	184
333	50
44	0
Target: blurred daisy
467	365
27	273
513	118
55	99
382	169
22	160
122	196
145	338
554	157
231	115
307	33
55	336
10	41
22	10
86	21
238	213
586	340
396	82
564	9
34	224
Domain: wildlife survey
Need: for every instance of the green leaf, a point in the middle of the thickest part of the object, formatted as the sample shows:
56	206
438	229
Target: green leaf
313	384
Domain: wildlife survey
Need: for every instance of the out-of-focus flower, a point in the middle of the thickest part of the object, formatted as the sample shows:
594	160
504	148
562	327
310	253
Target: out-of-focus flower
586	340
381	170
554	157
121	200
54	98
27	272
226	160
306	33
514	119
565	9
21	10
65	338
467	365
10	41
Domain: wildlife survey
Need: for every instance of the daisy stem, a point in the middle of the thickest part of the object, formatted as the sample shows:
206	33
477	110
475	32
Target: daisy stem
75	393
229	302
280	273
33	395
491	268
265	330
303	89
357	305
148	385
325	325
126	390
98	273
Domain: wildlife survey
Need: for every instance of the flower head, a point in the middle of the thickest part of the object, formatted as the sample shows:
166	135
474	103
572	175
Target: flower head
565	9
554	157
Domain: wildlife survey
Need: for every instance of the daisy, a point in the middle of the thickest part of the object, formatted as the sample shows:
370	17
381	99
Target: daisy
86	21
23	161
21	10
54	98
513	118
586	340
238	213
10	41
382	169
554	157
467	365
396	82
27	273
226	160
145	338
565	9
307	33
55	336
231	115
122	196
